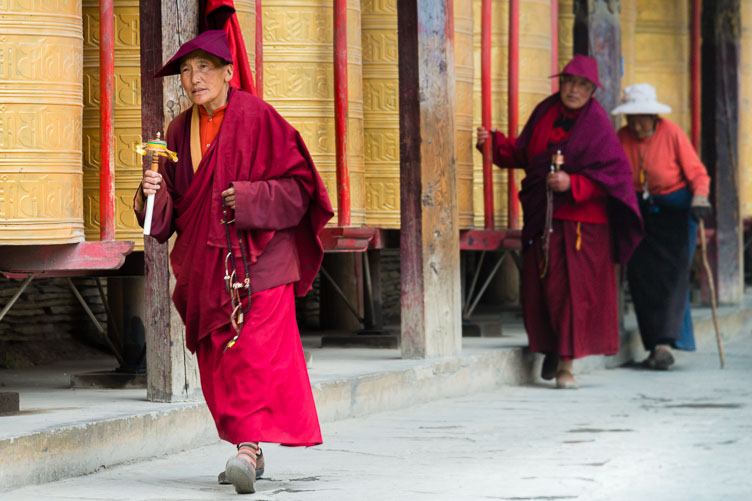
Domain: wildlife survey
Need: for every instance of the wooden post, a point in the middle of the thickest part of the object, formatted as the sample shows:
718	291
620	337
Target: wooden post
597	33
429	243
172	370
721	32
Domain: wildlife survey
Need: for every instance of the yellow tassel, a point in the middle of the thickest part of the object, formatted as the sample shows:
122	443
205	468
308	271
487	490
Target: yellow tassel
578	245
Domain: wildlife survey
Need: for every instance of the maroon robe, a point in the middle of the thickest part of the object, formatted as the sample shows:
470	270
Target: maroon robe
259	386
280	198
572	311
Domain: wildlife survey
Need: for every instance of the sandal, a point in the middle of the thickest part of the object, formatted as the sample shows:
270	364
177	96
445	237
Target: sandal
222	479
240	472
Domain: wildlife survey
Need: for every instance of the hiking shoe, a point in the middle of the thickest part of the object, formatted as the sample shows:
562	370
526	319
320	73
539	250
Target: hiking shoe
660	359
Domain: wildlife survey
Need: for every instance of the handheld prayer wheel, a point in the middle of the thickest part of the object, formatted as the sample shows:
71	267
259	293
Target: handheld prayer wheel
157	148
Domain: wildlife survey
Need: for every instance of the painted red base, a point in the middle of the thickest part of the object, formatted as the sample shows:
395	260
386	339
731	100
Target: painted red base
490	240
18	261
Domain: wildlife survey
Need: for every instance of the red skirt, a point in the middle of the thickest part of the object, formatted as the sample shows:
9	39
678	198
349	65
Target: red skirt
573	310
258	390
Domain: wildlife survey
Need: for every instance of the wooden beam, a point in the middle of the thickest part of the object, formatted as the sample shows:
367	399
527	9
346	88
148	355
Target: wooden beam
597	33
429	244
721	32
172	372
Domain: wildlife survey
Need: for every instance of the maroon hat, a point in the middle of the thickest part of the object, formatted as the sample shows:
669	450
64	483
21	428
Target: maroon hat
582	66
212	41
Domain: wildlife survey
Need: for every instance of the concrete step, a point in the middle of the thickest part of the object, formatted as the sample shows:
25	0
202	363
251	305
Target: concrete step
61	432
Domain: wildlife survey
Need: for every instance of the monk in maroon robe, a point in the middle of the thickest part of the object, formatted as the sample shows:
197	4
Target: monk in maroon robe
235	151
569	287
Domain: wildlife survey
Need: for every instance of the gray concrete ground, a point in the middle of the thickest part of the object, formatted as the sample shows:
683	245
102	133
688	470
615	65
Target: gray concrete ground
626	434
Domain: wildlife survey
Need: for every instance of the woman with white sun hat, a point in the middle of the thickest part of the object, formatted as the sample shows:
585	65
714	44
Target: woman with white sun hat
672	187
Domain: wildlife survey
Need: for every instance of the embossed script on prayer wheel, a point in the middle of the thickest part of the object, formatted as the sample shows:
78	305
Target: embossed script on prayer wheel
566	31
534	67
463	70
246	12
299	83
381	113
662	54
40	122
745	110
126	118
127	111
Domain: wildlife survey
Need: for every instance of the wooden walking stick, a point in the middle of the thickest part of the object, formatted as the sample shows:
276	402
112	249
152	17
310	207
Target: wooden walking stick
711	284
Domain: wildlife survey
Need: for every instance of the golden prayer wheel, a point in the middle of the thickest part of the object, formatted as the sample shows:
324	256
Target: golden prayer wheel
628	20
745	111
127	111
566	31
463	71
299	83
662	50
40	122
246	12
381	113
534	86
126	119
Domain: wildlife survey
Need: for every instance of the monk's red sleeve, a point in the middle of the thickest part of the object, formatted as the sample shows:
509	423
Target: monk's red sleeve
505	152
274	204
584	189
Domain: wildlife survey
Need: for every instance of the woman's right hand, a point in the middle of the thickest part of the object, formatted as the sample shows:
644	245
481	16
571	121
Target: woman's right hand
483	136
151	182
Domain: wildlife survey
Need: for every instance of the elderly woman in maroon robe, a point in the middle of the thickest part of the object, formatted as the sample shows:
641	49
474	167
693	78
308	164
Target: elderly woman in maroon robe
569	286
235	152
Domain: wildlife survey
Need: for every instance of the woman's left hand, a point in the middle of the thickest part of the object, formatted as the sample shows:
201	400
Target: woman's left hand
559	181
229	196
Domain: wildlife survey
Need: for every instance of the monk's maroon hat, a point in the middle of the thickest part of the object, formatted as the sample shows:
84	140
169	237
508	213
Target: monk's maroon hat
582	66
212	41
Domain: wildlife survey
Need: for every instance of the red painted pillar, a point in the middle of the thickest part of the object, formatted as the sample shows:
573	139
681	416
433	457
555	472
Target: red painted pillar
695	73
106	135
485	78
259	52
513	205
340	111
554	45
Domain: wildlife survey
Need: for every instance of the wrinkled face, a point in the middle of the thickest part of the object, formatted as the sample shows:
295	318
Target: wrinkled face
642	125
205	79
575	91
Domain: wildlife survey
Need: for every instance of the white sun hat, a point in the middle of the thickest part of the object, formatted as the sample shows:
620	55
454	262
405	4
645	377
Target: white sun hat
640	99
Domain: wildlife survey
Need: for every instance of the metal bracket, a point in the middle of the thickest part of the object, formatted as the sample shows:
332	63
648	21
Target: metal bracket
15	297
341	294
94	319
470	302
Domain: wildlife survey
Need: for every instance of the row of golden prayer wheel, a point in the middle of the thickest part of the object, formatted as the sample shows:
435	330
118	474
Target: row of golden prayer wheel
49	99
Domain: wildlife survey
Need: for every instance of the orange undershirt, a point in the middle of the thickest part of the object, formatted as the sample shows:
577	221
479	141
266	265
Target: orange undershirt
209	126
